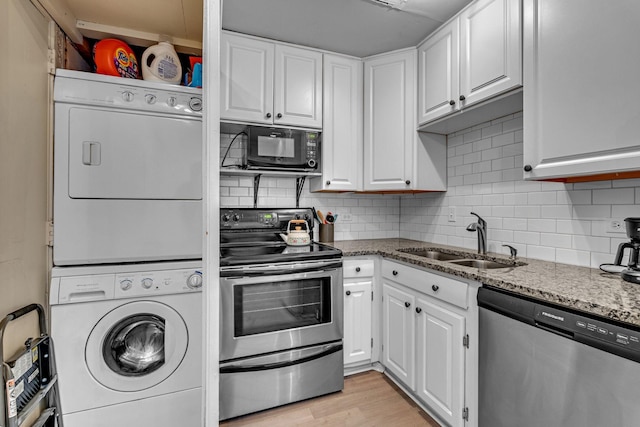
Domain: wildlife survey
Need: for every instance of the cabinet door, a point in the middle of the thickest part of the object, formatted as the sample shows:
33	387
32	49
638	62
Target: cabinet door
581	88
298	87
389	119
490	49
440	360
357	321
342	129
398	332
246	79
438	81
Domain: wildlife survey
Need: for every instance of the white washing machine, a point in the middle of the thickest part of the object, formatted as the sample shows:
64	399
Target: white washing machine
128	344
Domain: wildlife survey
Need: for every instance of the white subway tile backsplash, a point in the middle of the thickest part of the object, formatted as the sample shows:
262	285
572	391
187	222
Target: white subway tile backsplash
503	139
623	211
570	256
544	220
543	225
541	252
526	237
556	240
619	196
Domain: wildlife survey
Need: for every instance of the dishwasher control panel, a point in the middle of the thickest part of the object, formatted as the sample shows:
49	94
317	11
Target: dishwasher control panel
573	324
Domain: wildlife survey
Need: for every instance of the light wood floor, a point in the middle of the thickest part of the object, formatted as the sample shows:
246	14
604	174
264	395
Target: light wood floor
368	399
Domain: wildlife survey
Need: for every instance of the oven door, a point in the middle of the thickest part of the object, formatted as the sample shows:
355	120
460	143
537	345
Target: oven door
274	307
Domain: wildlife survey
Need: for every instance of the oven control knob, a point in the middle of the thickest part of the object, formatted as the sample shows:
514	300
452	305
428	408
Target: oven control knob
125	284
236	217
147	283
195	104
151	99
127	96
195	281
226	218
172	101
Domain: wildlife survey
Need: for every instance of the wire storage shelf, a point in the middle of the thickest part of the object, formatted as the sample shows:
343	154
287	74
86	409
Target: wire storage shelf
29	377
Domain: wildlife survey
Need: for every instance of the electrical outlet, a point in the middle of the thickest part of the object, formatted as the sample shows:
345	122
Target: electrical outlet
345	217
452	214
615	226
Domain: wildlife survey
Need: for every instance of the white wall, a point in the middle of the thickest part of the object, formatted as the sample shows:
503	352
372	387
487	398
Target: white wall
373	216
559	222
23	164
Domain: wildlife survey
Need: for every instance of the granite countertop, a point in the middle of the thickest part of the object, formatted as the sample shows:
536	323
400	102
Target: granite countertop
580	288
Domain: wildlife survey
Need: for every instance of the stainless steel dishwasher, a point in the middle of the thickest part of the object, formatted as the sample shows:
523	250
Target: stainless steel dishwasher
544	366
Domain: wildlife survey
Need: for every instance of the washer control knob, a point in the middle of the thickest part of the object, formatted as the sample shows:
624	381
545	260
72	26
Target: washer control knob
172	101
127	96
125	284
195	281
195	104
147	283
151	99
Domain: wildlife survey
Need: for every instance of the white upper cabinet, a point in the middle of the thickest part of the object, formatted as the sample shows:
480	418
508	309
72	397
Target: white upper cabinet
396	157
269	83
389	128
342	130
246	79
490	49
298	87
476	56
438	83
581	117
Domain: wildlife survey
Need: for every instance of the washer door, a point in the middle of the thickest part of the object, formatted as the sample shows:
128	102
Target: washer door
136	346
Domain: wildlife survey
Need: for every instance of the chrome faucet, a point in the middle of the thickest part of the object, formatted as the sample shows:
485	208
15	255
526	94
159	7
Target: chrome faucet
481	228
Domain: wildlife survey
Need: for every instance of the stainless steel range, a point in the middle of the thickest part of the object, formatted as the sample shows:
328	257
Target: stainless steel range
281	323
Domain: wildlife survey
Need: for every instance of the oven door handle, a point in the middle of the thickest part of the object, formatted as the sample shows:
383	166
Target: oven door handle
248	366
279	269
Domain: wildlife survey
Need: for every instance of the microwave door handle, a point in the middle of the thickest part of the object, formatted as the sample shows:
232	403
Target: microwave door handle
247	366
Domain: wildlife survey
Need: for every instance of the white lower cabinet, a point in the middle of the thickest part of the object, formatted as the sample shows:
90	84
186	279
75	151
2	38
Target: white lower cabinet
398	331
426	319
358	287
440	359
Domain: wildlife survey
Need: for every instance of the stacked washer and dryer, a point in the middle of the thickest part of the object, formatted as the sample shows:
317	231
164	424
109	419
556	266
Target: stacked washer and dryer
125	294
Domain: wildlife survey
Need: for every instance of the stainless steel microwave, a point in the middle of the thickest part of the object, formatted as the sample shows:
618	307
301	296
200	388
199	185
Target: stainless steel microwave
283	149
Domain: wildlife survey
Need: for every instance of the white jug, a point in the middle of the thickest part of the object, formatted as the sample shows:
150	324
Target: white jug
160	63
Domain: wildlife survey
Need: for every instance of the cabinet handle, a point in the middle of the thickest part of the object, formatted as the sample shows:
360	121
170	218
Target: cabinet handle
395	273
528	168
279	115
407	304
435	288
357	269
418	310
268	115
408	182
348	293
328	182
462	98
452	102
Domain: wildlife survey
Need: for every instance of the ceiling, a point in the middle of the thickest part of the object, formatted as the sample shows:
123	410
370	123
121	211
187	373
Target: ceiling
354	27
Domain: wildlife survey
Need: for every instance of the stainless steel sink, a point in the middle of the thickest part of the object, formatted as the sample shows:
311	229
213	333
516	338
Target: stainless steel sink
432	254
482	264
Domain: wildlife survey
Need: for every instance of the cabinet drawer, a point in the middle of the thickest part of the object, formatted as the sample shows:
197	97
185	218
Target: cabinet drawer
440	287
357	268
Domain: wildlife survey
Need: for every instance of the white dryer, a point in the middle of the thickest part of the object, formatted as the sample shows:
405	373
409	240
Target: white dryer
128	344
127	170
